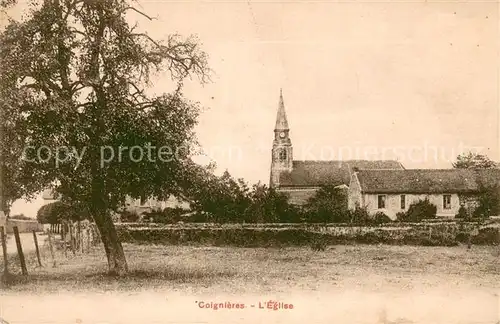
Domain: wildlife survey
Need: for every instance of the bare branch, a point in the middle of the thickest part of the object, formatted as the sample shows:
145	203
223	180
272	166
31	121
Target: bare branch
138	11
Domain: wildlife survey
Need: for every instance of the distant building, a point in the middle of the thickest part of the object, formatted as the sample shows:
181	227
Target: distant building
136	205
148	205
301	179
393	191
382	185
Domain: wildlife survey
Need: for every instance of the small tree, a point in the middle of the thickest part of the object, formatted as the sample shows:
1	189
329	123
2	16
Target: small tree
359	215
488	202
224	198
473	161
127	216
462	213
166	216
328	205
58	211
268	206
381	218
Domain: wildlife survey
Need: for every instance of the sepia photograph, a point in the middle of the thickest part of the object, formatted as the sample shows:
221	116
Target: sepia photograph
258	161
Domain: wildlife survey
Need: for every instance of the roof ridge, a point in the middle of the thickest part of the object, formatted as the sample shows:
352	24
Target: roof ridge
346	161
440	170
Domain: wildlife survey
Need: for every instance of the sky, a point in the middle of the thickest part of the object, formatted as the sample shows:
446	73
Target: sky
414	81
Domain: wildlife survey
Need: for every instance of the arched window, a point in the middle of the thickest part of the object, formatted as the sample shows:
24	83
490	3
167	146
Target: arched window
282	155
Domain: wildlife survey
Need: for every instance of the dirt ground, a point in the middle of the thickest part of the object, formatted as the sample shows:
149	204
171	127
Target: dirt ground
344	284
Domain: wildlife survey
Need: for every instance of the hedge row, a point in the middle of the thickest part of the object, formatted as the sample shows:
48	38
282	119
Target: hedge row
427	223
265	237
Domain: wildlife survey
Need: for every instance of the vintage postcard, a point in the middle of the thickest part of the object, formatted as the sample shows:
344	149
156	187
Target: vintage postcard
249	161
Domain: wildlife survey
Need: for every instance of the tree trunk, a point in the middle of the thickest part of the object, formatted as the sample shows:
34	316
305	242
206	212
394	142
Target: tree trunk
114	251
117	262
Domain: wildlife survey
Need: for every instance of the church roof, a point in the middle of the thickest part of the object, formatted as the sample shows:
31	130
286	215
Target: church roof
281	121
318	173
427	181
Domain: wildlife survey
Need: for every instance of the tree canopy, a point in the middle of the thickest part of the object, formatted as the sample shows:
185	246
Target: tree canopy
74	82
58	211
472	160
328	205
225	199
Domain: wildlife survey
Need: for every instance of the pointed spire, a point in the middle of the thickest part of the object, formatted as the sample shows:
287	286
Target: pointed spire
281	122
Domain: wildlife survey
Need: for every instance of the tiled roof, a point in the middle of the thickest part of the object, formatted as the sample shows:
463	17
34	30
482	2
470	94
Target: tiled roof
299	197
427	180
318	173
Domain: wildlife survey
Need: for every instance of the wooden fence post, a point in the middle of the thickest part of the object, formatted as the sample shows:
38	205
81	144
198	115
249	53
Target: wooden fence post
79	237
52	250
72	242
4	249
97	234
20	253
89	237
82	240
37	249
63	235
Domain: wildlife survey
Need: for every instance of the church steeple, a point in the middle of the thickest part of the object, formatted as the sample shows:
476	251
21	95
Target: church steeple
281	121
282	153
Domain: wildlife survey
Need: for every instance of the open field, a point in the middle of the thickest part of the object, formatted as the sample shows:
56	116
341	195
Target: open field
344	284
26	242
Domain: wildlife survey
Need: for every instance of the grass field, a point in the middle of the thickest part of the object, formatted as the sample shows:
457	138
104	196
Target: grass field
344	284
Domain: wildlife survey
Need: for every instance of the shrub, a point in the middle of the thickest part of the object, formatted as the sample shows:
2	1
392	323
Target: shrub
21	217
266	237
318	244
127	216
167	216
422	209
489	202
328	205
462	213
360	215
196	217
400	216
487	235
371	238
58	211
381	218
462	237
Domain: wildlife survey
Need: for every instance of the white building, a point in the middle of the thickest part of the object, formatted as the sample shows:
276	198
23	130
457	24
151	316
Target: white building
393	191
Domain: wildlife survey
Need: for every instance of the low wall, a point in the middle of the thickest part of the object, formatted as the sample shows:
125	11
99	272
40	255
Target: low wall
24	226
264	235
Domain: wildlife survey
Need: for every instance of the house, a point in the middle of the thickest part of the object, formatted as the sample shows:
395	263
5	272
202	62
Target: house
301	179
147	205
393	191
306	177
136	205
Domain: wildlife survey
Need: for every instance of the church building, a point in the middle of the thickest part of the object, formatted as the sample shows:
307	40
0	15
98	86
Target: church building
301	179
377	185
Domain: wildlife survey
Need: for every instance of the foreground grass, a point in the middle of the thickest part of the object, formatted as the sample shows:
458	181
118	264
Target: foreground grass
259	270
